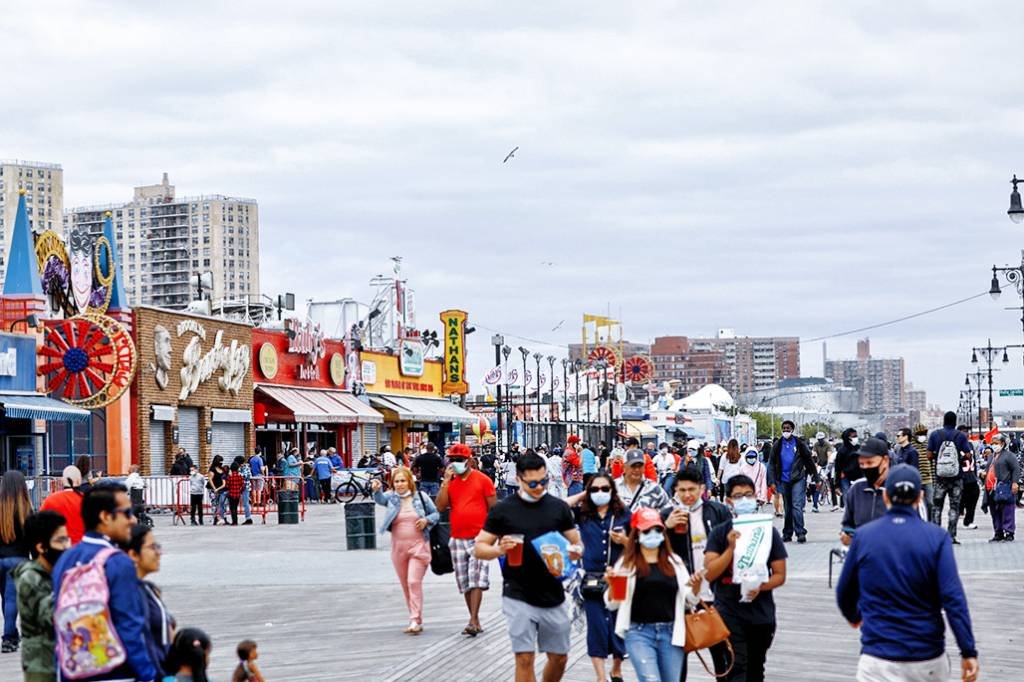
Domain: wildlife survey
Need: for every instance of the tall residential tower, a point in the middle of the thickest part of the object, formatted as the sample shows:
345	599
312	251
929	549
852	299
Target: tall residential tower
44	199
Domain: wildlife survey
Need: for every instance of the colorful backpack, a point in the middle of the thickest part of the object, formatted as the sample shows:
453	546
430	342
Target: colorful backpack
87	644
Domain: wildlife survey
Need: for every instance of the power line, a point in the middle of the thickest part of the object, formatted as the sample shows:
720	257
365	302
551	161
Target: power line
897	320
523	338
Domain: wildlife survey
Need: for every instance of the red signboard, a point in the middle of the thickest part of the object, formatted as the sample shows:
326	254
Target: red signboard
273	363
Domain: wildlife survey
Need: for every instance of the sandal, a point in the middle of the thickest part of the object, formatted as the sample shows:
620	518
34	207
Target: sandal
414	629
471	631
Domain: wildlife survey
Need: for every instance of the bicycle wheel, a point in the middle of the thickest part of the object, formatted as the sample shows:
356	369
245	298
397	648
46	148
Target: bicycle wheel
346	492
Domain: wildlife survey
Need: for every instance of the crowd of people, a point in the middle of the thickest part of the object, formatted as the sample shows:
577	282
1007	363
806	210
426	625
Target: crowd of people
77	575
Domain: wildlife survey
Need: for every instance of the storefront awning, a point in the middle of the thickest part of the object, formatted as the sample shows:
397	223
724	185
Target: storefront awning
424	409
641	429
35	406
322	406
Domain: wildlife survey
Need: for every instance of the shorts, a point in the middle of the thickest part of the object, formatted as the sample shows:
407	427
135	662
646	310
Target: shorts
536	628
470	573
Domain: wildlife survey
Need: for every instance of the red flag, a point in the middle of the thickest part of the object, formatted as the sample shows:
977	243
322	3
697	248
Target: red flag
990	434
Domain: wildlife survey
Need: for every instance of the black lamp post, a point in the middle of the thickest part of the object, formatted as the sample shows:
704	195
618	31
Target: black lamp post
536	358
498	341
1016	211
565	389
526	354
978	379
551	378
989	353
578	365
588	391
506	351
1013	275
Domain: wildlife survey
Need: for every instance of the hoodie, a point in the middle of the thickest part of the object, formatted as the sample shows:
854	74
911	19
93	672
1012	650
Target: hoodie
846	458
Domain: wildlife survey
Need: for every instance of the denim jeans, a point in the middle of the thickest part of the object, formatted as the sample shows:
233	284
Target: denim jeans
246	506
652	653
10	597
431	488
794	494
929	493
220	503
844	487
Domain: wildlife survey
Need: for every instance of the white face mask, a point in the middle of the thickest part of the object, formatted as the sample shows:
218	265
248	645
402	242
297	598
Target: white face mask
922	439
527	497
787	434
854	441
407	493
998	447
652	539
460	467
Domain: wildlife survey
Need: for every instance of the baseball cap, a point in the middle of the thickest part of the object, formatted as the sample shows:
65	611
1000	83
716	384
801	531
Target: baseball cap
634	456
874	447
903	484
820	435
72	475
645	519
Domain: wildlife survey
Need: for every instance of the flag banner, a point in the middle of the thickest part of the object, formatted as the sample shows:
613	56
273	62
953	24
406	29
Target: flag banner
512	377
495	376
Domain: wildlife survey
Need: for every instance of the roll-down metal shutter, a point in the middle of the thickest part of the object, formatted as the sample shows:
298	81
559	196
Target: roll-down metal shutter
188	431
228	440
157	448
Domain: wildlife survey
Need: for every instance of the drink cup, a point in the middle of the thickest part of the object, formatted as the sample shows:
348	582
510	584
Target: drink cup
617	583
680	529
514	556
751	582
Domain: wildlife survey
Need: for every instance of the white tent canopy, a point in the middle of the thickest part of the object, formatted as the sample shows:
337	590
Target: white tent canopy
707	398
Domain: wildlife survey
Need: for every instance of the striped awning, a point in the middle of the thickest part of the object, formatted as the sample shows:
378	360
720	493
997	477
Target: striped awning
35	406
322	405
431	410
640	428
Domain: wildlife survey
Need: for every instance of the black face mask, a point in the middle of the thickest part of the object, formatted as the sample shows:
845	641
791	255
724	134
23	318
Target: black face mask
52	555
872	474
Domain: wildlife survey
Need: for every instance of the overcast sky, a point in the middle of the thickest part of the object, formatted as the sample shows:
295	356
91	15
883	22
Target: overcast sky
784	169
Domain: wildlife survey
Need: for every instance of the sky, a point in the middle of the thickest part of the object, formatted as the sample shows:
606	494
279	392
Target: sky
801	168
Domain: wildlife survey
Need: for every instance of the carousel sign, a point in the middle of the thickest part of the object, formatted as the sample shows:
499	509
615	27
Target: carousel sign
92	360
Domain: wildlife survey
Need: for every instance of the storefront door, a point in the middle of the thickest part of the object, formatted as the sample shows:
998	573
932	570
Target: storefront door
188	431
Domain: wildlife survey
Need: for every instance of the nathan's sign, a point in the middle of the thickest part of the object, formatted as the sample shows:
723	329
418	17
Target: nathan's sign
454	322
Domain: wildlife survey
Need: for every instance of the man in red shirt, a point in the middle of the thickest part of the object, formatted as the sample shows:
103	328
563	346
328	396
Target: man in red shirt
68	503
470	494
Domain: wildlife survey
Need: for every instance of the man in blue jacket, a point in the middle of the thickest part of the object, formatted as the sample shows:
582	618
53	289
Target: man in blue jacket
107	513
898	578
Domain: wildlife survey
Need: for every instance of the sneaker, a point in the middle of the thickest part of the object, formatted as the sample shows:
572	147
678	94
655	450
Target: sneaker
955	541
9	647
835	508
248	522
1008	537
972	526
789	539
194	523
815	510
801	539
998	537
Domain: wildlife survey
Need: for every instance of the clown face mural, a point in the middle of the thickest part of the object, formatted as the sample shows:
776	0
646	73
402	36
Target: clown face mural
81	247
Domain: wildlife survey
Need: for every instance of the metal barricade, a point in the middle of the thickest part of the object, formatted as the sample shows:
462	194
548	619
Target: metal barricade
42	486
273	484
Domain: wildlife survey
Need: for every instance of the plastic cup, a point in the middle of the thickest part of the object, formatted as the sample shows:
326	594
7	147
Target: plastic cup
514	556
617	583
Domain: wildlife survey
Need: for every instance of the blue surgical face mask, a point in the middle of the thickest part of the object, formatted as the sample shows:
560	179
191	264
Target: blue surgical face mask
600	499
652	539
751	459
460	467
747	505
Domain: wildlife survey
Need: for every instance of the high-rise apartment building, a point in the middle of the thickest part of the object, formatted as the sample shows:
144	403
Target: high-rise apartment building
880	381
915	399
44	198
740	364
165	241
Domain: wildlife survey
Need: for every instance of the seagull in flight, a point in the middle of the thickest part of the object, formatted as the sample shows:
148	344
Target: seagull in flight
558	326
511	154
547	262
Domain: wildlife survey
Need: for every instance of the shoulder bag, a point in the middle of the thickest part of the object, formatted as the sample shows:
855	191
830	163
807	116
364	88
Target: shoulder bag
705	629
594	584
440	554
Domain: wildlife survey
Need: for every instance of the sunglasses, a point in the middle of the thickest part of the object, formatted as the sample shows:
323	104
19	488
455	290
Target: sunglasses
535	484
600	488
127	511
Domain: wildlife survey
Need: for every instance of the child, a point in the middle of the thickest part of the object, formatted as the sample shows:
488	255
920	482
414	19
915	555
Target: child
190	655
46	535
247	671
196	489
235	484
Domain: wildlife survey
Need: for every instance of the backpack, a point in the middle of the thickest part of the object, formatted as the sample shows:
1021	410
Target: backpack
947	461
87	644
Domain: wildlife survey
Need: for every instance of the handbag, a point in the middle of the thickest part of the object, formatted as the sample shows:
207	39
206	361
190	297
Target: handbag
440	554
593	583
1003	493
705	629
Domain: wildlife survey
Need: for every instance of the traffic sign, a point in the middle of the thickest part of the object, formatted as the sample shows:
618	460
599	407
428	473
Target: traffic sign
1011	392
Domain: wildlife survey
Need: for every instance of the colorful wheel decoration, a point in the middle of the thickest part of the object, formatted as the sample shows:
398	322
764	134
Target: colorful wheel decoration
92	360
638	368
603	353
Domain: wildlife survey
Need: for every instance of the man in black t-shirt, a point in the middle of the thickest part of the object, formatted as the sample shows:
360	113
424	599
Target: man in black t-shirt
533	599
752	623
428	465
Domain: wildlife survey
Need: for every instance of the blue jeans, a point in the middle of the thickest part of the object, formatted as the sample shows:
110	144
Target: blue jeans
794	494
431	488
10	596
844	487
575	487
219	504
246	507
654	657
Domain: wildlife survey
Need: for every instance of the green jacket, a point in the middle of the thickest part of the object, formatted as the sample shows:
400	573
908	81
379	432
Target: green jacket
35	606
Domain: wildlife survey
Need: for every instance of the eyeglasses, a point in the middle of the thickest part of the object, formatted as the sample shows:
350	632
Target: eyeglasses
156	547
600	488
534	484
742	496
127	511
65	541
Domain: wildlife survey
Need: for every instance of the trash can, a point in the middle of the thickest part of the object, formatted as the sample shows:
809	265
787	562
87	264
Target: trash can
360	525
287	507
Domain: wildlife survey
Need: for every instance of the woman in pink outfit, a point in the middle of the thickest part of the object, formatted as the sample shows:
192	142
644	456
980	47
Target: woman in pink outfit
409	517
753	467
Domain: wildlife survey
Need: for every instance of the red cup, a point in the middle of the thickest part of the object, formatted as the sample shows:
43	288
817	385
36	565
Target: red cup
514	556
617	583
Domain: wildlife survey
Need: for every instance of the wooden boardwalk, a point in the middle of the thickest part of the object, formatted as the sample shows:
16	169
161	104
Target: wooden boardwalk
321	613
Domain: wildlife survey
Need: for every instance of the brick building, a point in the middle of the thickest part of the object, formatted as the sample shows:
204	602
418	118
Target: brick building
193	388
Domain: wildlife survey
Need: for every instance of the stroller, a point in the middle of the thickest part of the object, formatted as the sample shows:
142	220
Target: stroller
139	507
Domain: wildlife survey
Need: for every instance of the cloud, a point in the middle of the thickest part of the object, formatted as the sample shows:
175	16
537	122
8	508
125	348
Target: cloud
796	169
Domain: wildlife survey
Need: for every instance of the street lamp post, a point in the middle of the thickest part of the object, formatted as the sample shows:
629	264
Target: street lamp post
989	352
526	355
536	358
577	365
1016	211
565	389
1012	274
498	341
589	366
506	351
978	379
551	385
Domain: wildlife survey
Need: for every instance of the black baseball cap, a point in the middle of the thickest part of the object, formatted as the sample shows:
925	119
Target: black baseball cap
873	447
903	484
634	457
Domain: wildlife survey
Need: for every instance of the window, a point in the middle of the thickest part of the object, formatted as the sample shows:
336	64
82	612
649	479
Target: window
206	262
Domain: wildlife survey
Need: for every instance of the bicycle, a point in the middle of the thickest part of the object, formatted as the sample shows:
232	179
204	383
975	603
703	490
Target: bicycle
357	484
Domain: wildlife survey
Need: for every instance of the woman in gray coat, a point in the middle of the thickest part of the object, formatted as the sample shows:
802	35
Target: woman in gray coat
1001	487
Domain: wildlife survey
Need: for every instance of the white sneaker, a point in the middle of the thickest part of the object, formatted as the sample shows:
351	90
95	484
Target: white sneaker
973	526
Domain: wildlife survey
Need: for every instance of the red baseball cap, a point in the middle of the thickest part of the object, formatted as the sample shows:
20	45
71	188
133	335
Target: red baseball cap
645	519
